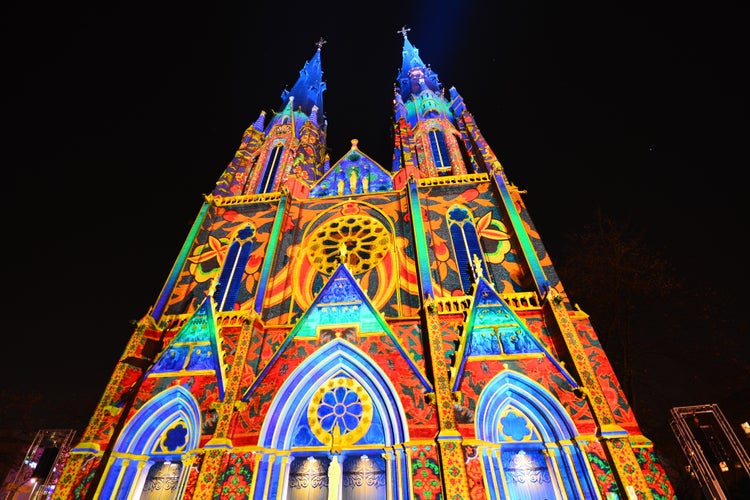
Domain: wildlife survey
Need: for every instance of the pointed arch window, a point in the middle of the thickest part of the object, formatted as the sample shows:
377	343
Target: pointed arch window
147	462
440	152
230	279
529	448
340	415
466	245
272	166
470	164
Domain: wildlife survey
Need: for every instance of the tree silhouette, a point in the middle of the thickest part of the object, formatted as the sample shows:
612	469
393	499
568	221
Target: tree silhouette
618	280
673	337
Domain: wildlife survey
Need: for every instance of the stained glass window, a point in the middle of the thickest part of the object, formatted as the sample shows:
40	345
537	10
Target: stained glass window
272	166
466	245
440	152
232	273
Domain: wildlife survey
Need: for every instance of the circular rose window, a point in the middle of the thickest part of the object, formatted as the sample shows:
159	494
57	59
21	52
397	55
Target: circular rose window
358	240
340	407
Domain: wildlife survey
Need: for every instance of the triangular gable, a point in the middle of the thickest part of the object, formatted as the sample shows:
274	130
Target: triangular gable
341	302
354	173
194	350
492	329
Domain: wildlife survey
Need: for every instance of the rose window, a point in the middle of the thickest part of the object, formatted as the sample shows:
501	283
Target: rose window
340	407
359	240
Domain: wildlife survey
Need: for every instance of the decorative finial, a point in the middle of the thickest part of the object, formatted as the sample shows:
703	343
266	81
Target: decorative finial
478	271
213	286
342	252
320	43
404	30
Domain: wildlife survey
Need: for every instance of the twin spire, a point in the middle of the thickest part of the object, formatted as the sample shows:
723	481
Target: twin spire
290	149
307	92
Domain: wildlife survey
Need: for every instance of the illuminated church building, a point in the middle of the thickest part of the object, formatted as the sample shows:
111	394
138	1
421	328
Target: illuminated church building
336	328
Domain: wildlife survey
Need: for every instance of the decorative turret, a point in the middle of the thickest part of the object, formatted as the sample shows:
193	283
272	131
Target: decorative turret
290	150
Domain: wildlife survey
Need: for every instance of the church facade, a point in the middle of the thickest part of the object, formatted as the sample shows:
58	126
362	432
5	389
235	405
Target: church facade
337	328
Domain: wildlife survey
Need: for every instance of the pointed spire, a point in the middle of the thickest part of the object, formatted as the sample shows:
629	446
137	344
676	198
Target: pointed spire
289	109
258	124
415	75
410	53
308	90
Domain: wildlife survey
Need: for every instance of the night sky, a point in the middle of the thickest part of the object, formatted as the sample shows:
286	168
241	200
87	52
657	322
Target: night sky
120	116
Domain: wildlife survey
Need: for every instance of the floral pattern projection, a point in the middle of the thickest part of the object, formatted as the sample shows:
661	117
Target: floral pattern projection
285	301
550	378
478	373
368	234
541	252
474	473
237	477
655	474
602	470
419	413
210	249
507	274
480	370
425	473
505	268
607	379
203	386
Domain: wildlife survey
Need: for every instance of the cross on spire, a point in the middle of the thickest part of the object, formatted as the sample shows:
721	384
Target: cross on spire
404	30
320	43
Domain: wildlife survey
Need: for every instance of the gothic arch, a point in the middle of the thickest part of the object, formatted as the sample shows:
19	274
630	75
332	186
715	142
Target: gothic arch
162	431
441	158
530	448
510	388
336	358
158	415
462	225
336	365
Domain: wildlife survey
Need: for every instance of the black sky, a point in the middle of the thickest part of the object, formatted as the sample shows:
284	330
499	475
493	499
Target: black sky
120	116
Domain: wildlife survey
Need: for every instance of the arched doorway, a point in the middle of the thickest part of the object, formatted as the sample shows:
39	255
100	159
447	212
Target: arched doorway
530	450
159	435
338	420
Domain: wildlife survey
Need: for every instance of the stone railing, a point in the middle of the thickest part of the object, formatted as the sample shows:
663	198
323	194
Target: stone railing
222	201
520	301
453	179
